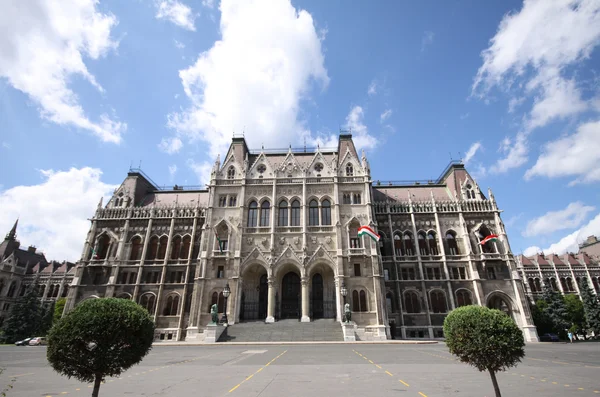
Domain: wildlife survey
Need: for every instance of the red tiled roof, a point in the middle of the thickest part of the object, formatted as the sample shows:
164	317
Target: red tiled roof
526	261
541	259
585	258
556	259
571	259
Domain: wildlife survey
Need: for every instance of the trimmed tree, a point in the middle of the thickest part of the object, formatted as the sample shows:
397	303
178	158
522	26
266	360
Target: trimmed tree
485	338
25	317
99	338
591	306
556	310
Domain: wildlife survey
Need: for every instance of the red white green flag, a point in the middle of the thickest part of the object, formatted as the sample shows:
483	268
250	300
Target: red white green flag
94	254
218	241
491	237
367	231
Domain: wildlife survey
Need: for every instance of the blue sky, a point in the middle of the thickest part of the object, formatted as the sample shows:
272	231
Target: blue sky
512	88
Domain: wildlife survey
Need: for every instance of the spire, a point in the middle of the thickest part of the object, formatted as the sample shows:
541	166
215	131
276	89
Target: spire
13	232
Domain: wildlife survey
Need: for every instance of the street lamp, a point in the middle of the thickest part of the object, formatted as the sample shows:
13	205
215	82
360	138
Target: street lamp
226	293
344	292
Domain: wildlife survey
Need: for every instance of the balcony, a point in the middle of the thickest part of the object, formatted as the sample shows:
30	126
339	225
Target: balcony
320	229
218	253
258	230
347	179
356	251
288	229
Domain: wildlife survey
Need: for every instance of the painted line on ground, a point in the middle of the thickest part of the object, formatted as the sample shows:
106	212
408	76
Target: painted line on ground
260	369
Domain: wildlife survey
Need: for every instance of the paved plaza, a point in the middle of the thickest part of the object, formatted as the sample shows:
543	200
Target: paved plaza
316	370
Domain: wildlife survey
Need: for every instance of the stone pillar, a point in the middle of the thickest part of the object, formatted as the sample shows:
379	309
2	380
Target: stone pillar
305	307
140	273
164	265
271	303
338	299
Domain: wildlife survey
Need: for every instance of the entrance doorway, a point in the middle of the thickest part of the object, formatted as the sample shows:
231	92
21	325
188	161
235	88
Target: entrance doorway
317	296
254	299
290	296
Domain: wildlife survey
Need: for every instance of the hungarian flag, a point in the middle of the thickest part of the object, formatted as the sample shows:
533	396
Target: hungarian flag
491	237
94	254
218	241
366	230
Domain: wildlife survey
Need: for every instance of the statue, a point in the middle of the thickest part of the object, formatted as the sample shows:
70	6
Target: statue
347	313
214	312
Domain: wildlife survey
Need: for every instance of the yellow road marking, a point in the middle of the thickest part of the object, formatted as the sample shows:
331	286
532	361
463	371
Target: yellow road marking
371	362
260	369
378	366
389	373
403	382
77	389
64	392
16	376
422	394
566	385
580	388
554	383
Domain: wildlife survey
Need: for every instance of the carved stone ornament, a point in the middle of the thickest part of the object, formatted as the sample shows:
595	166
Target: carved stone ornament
313	239
297	240
249	240
328	240
255	254
282	241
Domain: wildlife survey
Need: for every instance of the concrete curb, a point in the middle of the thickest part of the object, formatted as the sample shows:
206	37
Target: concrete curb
388	342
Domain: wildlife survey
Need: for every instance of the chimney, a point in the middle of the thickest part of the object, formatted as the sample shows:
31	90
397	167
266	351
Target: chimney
31	249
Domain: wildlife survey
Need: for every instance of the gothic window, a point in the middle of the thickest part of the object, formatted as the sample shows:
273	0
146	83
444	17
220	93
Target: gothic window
355	241
283	213
232	201
346	198
23	289
489	247
103	244
12	289
432	243
221	305
411	302
136	248
124	295
318	167
438	302
163	242
596	284
214	300
409	245
231	172
408	273
223	201
451	242
265	212
357	269
538	286
553	284
390	302
563	283
313	213
349	170
531	284
1	285
185	247
152	249
570	284
55	292
433	273
171	306
463	298
261	169
252	214
355	301
363	301
147	302
491	272
220	272
295	213
65	291
176	247
325	212
469	191
422	244
398	249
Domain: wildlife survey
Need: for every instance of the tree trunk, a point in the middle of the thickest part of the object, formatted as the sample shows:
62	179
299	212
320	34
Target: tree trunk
495	382
97	383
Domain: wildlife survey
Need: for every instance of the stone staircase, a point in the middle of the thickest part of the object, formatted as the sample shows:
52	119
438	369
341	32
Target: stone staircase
284	331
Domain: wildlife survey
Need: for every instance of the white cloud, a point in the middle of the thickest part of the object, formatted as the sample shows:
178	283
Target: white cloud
530	56
208	3
42	53
53	215
6	145
471	152
254	78
533	250
372	90
179	45
172	171
176	12
202	170
512	221
568	218
360	133
170	145
385	115
515	152
426	40
574	155
570	243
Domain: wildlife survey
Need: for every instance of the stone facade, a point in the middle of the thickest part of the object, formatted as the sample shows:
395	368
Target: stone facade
280	228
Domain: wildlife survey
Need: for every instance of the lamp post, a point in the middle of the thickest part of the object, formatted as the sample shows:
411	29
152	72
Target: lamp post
344	292
226	293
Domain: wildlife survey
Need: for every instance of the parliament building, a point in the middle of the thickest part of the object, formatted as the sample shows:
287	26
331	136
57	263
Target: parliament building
279	229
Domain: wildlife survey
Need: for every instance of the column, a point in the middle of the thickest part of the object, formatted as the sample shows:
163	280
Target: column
305	307
164	266
271	303
338	298
140	273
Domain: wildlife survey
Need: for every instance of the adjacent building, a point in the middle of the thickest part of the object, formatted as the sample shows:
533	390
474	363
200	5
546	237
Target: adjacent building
280	229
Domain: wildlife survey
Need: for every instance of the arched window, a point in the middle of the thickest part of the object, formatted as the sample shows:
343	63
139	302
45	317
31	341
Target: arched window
538	286
265	213
1	285
531	284
124	295
489	247
313	213
171	305
349	170
295	221
356	198
423	249
65	291
12	289
175	247
103	244
185	247
355	301
221	304
136	248
23	289
563	283
283	213
363	301
432	243
55	292
409	245
214	300
553	284
325	212
463	298
438	302
451	242
152	249
570	284
163	242
231	172
596	284
147	302
411	302
346	198
252	214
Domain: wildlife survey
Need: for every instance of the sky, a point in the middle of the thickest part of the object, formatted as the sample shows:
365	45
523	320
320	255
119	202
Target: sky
90	88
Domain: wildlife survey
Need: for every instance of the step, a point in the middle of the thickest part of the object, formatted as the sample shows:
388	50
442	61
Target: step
284	331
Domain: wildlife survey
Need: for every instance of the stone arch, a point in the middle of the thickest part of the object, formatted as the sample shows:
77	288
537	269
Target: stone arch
501	301
254	291
124	295
464	297
321	289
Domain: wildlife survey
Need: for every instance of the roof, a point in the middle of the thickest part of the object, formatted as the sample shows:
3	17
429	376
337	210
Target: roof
556	259
526	261
541	259
571	259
